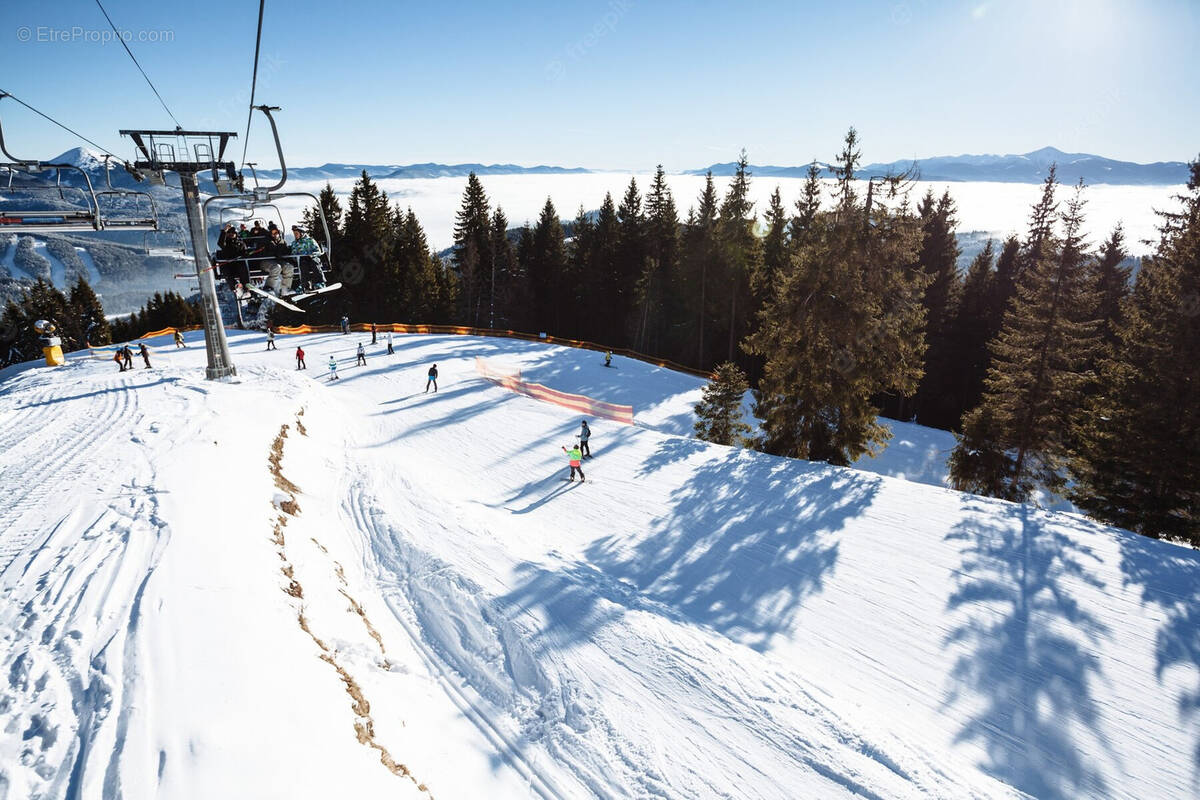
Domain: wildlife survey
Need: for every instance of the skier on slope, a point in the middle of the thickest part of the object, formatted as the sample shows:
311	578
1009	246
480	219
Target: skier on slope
584	434
574	458
119	357
144	353
608	358
345	325
179	340
360	359
391	351
300	359
127	357
333	376
432	379
271	339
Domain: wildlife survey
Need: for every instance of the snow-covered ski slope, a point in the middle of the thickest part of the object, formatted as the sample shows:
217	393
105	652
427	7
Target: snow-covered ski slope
286	588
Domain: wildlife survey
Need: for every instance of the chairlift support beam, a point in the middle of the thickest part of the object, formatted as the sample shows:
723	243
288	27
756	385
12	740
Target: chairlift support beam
196	158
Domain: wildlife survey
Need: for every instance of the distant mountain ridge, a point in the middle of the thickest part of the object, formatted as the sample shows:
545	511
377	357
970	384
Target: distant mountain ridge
426	170
1013	168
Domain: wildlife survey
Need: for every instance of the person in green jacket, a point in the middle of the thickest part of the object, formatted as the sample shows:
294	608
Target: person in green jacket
575	459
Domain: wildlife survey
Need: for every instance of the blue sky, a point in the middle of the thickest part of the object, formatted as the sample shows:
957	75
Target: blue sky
623	84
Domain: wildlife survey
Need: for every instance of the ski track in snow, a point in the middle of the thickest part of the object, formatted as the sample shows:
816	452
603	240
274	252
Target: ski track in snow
697	622
93	273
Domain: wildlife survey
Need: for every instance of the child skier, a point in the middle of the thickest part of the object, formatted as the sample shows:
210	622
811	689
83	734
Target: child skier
391	352
119	357
179	340
333	376
432	379
360	359
573	457
300	359
271	340
608	358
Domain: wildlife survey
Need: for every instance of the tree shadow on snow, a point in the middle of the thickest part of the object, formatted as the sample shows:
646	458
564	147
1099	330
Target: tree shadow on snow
747	541
1170	578
1027	650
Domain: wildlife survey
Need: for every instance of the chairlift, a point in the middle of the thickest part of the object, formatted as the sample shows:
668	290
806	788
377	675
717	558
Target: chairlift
261	204
84	215
143	218
161	244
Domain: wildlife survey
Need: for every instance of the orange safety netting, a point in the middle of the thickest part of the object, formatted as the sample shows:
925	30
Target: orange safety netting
465	330
576	402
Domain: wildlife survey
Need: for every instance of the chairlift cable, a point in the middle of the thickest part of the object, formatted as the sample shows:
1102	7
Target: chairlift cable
253	79
76	134
121	39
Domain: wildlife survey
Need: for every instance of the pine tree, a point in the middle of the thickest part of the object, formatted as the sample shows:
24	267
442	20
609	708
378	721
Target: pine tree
775	250
548	267
699	257
661	265
970	332
1037	373
511	292
329	204
87	315
588	287
1005	284
1112	284
739	253
936	404
1138	446
631	264
367	248
606	267
844	324
719	412
428	290
472	249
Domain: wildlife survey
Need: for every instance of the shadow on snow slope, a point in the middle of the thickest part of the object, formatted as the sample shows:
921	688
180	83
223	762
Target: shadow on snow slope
747	540
1170	578
1031	649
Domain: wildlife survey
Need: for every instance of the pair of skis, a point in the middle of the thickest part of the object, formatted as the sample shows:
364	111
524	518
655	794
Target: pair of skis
297	297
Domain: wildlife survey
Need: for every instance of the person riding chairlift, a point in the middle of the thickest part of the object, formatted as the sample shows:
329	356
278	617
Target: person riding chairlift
279	271
233	252
306	247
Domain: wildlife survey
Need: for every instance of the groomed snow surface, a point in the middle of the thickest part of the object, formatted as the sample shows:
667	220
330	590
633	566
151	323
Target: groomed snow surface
281	587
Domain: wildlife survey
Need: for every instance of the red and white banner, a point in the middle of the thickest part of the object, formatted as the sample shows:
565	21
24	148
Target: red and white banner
576	402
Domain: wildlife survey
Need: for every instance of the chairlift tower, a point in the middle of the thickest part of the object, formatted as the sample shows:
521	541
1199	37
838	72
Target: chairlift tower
189	153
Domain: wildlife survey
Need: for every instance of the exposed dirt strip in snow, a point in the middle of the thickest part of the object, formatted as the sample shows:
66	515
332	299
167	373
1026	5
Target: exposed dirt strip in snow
364	725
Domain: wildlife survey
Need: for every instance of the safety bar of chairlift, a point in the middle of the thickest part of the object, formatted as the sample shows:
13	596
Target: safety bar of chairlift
47	221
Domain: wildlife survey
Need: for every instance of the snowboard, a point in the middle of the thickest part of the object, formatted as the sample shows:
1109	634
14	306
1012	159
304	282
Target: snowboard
333	287
273	298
